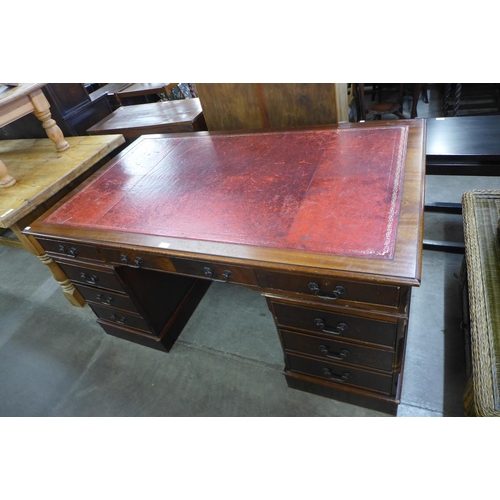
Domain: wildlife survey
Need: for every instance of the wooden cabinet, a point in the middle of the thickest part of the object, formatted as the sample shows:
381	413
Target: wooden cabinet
233	106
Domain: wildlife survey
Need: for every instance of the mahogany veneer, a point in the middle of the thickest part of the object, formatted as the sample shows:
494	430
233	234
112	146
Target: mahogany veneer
325	222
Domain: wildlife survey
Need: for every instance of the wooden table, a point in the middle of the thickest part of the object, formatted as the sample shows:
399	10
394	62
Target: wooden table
44	176
20	101
183	115
462	145
326	223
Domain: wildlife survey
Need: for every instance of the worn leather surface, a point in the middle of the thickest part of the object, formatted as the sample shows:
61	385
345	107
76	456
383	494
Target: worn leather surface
329	191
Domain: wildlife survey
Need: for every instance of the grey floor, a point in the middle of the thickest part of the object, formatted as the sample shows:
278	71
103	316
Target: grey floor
56	361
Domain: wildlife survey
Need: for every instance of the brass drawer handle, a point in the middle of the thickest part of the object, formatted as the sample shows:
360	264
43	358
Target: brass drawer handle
343	354
340	328
137	261
210	274
118	319
338	290
91	280
339	378
71	252
104	300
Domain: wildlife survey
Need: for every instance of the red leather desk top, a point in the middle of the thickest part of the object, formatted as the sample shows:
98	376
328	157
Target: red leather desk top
333	191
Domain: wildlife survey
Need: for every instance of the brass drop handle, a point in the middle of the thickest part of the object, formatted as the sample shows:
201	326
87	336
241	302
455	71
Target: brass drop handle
339	378
340	328
342	355
137	261
118	319
91	280
71	252
104	300
210	274
336	293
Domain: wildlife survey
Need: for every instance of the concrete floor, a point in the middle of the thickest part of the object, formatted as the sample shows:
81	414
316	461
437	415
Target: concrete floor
56	361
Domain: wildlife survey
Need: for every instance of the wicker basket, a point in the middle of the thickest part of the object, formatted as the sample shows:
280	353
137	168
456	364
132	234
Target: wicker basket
481	217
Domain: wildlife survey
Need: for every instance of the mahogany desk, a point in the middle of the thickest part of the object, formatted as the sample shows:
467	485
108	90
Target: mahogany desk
326	223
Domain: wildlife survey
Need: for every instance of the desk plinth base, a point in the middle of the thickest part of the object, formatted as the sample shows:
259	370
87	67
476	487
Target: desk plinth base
175	324
333	391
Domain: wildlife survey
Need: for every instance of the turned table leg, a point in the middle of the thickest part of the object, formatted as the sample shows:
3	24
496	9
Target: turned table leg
42	112
69	291
6	180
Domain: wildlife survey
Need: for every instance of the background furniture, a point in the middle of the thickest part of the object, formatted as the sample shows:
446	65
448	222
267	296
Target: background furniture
132	121
462	145
19	101
387	101
72	108
44	176
481	294
270	211
232	106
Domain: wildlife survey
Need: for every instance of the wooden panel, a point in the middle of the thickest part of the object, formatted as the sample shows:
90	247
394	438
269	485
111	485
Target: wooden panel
107	298
341	351
92	276
341	374
233	106
338	324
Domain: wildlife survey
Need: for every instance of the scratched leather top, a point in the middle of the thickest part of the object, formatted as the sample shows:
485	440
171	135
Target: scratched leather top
325	191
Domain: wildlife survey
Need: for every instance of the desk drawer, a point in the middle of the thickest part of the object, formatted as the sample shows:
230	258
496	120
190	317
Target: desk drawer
120	318
137	259
91	276
336	324
330	349
106	298
216	272
332	290
341	374
69	249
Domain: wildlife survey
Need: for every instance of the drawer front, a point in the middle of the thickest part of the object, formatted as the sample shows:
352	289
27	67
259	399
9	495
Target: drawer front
331	290
341	374
88	276
216	272
332	350
107	298
336	324
75	250
120	318
138	259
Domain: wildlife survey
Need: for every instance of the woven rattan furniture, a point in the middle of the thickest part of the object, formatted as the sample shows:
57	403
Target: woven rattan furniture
481	293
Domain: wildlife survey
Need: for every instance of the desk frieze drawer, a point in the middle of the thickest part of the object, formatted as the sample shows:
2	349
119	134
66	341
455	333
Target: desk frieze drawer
107	298
120	318
341	374
216	272
138	259
333	350
71	250
91	276
333	290
336	324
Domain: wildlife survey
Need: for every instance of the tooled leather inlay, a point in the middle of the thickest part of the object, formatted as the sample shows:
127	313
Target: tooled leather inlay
325	191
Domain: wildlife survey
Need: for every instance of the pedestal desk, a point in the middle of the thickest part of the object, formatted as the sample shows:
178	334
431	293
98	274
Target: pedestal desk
326	223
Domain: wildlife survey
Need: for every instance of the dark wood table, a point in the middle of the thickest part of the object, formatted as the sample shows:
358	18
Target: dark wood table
326	223
463	145
183	115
